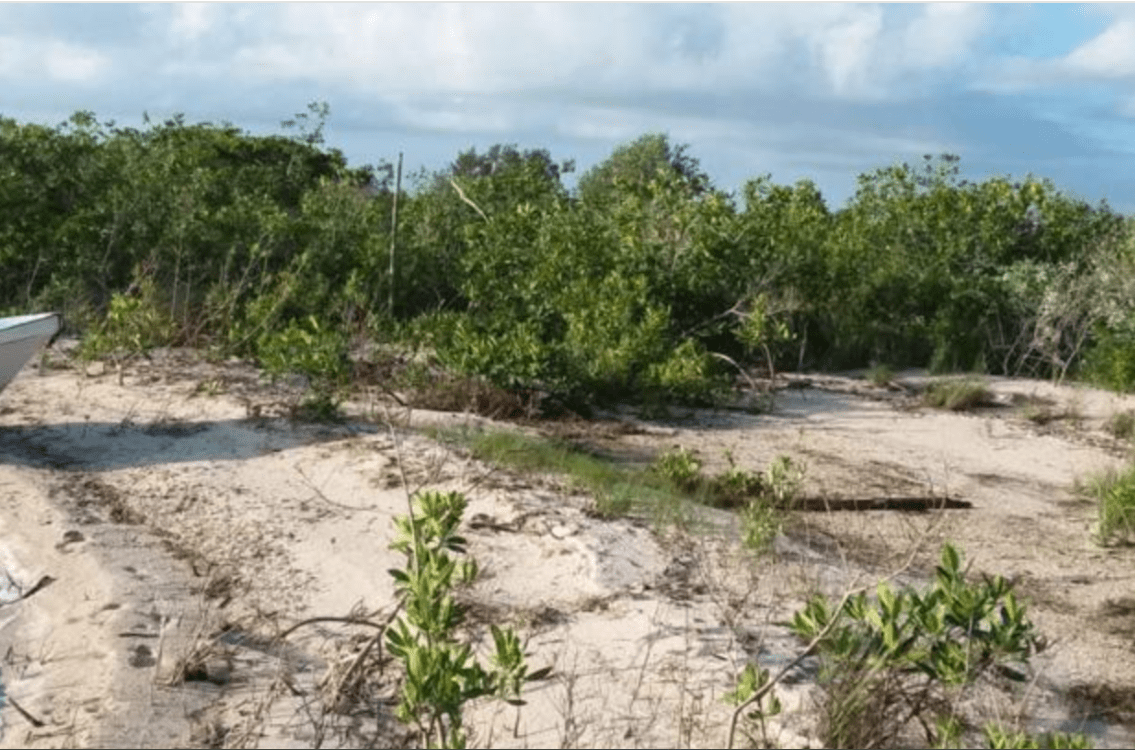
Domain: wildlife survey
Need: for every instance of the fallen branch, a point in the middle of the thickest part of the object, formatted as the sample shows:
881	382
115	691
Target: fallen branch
900	502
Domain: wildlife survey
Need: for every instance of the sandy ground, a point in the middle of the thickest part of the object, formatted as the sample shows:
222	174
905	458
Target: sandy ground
182	522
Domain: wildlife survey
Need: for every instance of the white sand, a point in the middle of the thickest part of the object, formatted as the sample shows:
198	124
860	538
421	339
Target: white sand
164	513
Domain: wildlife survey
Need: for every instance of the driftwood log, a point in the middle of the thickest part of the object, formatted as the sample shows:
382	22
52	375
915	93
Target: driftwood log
909	504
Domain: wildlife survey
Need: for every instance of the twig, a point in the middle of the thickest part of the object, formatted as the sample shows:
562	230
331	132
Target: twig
838	612
361	658
326	499
31	719
887	502
740	369
755	697
40	585
391	393
313	620
461	194
406	488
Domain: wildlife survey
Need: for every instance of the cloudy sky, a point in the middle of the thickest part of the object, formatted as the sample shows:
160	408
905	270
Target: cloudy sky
796	90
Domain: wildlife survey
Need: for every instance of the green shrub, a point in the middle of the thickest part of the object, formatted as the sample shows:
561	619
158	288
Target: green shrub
688	375
784	479
901	657
681	467
1110	362
442	674
736	486
133	325
1121	425
315	352
769	495
760	523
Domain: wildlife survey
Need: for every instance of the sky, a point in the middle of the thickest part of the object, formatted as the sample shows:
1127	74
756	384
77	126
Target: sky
796	90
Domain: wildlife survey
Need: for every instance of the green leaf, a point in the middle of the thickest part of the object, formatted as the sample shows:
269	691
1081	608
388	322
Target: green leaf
951	561
886	598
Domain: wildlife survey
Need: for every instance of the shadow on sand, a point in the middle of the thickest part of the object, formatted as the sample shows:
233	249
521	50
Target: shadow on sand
101	446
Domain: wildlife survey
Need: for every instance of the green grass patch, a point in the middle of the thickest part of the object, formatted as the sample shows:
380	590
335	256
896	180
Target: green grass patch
958	394
881	375
618	490
663	491
1121	425
1114	493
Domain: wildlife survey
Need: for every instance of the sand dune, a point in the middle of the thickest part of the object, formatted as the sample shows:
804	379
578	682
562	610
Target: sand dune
184	521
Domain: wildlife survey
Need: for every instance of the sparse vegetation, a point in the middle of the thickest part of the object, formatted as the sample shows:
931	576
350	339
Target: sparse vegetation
902	658
1038	413
906	656
1114	494
660	491
1121	425
999	738
881	375
636	286
681	467
617	490
442	675
958	394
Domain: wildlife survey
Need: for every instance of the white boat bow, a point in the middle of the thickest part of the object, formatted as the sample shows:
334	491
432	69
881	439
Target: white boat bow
20	338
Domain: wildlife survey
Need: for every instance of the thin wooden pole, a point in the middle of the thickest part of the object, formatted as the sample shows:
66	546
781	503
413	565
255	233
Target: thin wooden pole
394	235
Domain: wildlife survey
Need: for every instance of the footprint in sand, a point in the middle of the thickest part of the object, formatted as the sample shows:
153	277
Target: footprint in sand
70	538
141	656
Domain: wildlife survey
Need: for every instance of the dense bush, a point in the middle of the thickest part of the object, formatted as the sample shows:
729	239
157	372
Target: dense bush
643	282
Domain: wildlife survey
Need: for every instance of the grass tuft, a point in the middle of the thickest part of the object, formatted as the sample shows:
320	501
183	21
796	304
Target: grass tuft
958	395
1114	493
881	375
1121	425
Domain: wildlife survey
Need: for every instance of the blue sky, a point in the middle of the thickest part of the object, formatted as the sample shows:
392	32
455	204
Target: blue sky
796	90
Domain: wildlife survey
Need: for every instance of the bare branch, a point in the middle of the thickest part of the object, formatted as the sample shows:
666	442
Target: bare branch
462	196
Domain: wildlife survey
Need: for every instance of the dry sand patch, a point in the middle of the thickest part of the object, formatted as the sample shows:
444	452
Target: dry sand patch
180	508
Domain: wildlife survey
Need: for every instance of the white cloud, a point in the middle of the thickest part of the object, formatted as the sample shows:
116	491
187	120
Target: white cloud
1109	55
69	62
584	48
190	21
874	53
29	58
943	35
845	50
455	114
599	123
409	47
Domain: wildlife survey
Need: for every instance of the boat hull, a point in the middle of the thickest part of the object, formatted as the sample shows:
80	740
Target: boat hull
20	338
